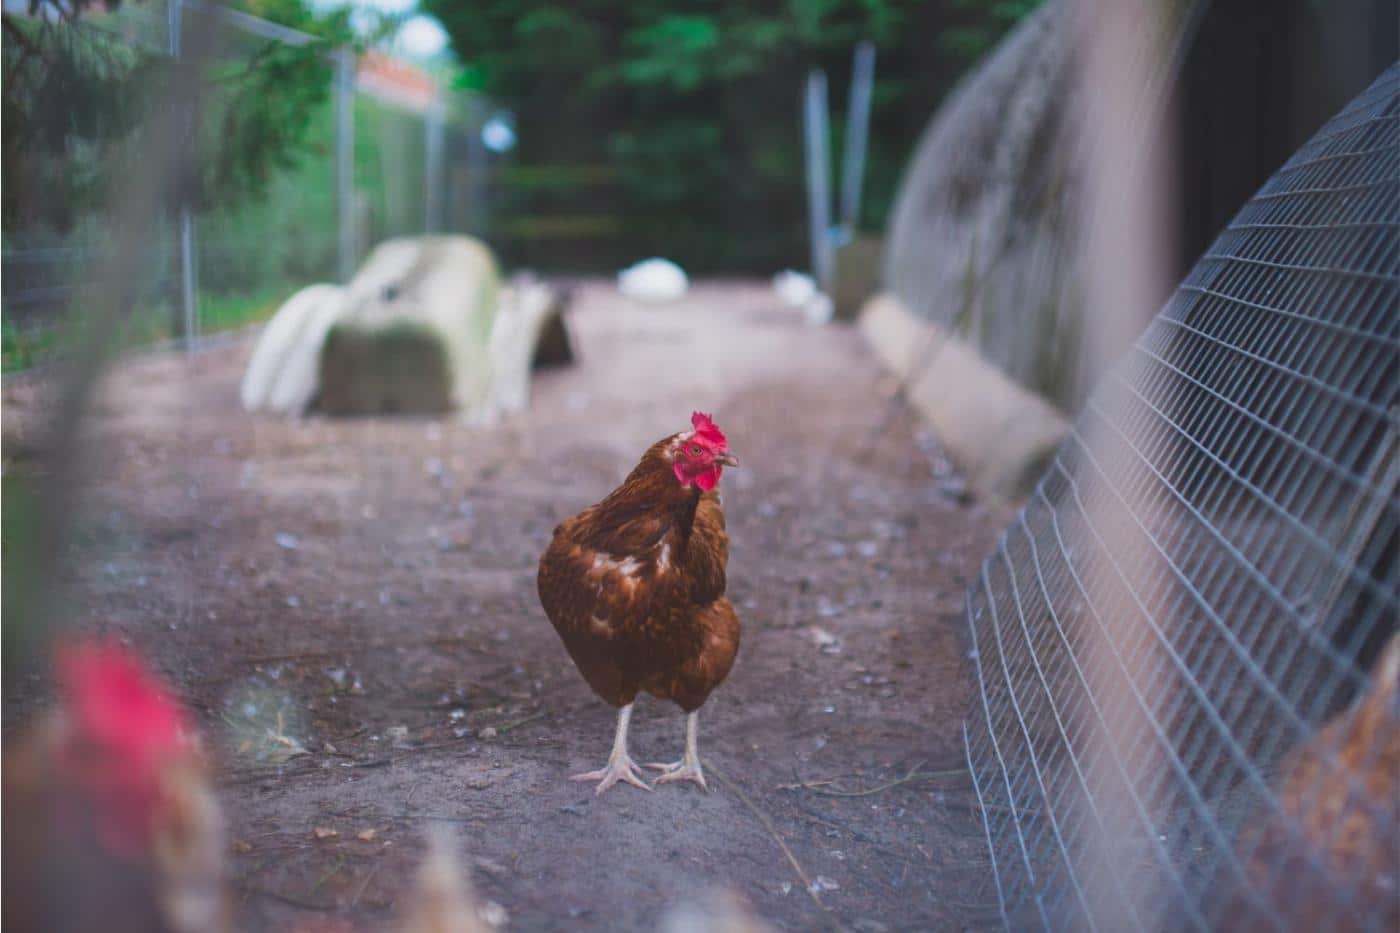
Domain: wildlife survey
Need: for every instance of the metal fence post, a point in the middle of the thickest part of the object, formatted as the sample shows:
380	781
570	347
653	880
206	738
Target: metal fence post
345	158
187	321
477	166
433	142
857	133
818	178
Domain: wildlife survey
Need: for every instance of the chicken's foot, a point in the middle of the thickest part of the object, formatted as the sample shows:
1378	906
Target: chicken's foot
620	765
688	768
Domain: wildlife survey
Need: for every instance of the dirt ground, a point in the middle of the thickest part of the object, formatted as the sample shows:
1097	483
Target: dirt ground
350	606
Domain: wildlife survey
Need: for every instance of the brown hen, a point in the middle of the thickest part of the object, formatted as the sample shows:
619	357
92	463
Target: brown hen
634	585
1330	857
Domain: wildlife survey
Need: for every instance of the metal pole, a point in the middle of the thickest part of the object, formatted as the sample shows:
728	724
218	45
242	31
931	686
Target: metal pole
857	133
433	194
818	178
345	158
189	279
187	323
477	186
252	24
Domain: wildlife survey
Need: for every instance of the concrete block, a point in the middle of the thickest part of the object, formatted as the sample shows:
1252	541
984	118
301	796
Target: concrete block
1000	435
858	267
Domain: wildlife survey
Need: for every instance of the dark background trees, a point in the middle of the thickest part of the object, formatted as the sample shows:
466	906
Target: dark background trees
689	116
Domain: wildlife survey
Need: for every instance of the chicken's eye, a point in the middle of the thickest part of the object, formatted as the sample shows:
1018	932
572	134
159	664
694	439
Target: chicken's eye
695	450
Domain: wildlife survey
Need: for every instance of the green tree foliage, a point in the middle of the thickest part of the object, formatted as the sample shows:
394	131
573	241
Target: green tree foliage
77	89
696	105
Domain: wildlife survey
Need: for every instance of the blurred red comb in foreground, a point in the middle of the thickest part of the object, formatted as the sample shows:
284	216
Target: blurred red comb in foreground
124	727
116	703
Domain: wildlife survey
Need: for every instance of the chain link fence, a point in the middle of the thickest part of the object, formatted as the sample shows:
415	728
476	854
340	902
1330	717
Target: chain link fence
1207	576
387	152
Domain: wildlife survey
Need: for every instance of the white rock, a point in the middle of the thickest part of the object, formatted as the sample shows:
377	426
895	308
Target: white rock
824	640
798	290
655	280
818	309
794	289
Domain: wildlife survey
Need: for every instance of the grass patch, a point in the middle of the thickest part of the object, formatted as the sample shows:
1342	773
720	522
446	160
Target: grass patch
19	520
23	348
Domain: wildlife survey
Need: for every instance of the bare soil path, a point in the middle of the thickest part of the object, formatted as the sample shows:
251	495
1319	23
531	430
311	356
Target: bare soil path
350	606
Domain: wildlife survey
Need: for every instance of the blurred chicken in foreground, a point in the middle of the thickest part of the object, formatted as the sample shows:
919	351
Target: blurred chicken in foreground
442	900
1331	858
109	820
717	911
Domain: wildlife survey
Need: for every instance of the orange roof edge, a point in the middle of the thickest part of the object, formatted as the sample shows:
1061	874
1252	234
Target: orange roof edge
403	82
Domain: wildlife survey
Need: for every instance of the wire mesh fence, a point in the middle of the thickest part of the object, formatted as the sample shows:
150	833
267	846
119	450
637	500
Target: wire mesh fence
1187	717
387	128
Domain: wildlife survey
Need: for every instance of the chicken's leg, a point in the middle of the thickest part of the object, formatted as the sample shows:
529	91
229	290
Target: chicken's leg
688	768
620	766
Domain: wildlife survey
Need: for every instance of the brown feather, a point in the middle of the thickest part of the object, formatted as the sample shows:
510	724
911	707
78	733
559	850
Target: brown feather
634	585
1329	858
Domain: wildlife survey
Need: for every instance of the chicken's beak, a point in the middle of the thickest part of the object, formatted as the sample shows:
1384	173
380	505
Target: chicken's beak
727	459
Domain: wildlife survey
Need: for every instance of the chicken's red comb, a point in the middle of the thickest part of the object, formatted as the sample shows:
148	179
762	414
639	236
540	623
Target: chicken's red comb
115	703
124	728
707	431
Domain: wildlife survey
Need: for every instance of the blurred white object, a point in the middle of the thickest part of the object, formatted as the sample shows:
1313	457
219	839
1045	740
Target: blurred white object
717	910
654	280
451	286
525	307
818	309
797	290
283	374
794	288
498	133
442	899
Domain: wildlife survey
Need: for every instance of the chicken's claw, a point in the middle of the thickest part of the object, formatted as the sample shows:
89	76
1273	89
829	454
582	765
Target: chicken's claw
686	770
619	769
